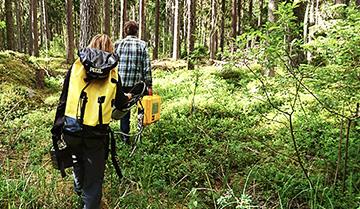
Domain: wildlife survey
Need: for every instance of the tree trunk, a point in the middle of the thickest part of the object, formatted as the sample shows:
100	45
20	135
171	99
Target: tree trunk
76	29
185	23
142	19
9	25
35	28
272	7
251	13
213	34
306	22
357	3
89	23
123	17
19	25
240	17
311	30
317	12
133	12
41	24
222	26
260	20
191	31
251	42
116	19
106	17
171	26
45	24
48	29
70	32
157	19
31	38
233	24
176	39
181	26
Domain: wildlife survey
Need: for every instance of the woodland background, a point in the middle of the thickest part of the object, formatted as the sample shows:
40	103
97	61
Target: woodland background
260	102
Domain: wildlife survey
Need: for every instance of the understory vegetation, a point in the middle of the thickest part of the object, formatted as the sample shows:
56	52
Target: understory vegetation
223	146
230	136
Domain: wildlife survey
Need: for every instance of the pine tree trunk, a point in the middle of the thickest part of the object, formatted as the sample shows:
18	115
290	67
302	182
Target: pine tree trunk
31	38
19	26
165	31
70	32
9	25
311	30
222	26
142	19
260	20
123	17
157	19
106	17
250	15
233	24
181	26
185	24
171	27
272	7
41	24
240	17
176	31
35	29
213	34
46	24
116	19
89	23
317	12
306	22
191	30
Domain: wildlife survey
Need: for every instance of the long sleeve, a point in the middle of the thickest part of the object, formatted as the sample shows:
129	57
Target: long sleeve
120	98
60	111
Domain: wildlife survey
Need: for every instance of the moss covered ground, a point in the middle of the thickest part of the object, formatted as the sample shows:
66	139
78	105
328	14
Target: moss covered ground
218	144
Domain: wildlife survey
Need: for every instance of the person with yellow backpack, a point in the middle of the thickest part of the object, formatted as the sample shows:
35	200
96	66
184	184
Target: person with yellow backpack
91	89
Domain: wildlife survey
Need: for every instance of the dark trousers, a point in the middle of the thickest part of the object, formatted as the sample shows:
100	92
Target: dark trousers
88	170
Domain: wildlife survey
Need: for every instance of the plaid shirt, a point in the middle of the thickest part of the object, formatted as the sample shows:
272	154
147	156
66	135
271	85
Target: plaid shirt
134	62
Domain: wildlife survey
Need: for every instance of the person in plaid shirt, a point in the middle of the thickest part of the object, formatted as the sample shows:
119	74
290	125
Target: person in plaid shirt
134	66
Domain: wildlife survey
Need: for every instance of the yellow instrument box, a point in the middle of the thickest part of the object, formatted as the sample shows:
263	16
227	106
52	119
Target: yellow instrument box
152	105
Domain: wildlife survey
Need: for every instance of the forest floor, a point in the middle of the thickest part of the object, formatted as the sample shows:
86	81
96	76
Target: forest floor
218	144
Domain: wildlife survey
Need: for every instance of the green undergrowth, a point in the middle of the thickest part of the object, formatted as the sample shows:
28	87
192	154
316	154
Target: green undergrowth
218	144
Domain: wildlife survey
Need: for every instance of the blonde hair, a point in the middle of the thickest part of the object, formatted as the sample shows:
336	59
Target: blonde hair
102	42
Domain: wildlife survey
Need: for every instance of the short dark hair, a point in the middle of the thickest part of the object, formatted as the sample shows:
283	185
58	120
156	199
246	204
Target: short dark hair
131	28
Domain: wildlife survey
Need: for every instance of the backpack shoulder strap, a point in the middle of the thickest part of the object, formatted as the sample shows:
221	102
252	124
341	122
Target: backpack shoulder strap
113	154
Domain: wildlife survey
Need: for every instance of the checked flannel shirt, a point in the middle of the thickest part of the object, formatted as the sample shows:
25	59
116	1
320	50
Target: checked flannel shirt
134	62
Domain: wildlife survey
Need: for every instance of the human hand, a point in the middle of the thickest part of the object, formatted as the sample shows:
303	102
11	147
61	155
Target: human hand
129	95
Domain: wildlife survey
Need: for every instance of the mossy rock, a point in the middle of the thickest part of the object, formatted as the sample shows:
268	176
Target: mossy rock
16	68
54	66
